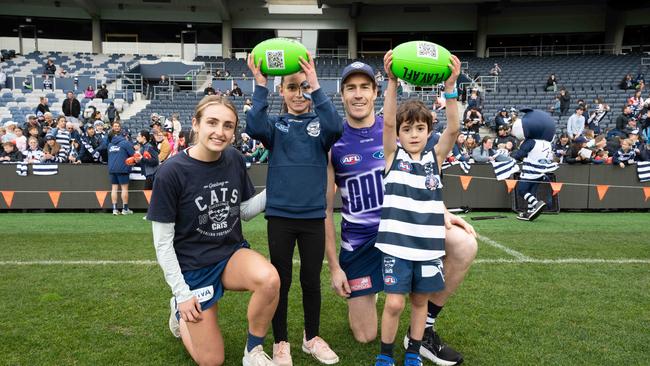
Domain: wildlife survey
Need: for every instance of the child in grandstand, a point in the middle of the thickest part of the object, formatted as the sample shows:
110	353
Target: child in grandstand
199	197
411	233
601	157
100	129
626	154
10	154
9	131
632	135
598	115
501	119
298	141
91	143
119	149
635	102
644	153
75	150
33	131
34	153
20	140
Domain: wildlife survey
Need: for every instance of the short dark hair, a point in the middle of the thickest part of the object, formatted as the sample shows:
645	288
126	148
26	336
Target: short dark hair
414	110
145	134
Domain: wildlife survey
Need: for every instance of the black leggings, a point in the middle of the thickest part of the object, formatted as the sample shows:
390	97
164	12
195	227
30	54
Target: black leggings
310	234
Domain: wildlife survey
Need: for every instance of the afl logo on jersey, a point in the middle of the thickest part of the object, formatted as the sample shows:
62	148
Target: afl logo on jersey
404	166
379	155
351	159
389	280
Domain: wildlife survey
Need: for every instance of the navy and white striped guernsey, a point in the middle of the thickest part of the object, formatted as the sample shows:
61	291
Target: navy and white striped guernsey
538	160
412	223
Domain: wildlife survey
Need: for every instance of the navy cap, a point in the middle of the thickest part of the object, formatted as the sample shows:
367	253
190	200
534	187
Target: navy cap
358	67
580	140
49	137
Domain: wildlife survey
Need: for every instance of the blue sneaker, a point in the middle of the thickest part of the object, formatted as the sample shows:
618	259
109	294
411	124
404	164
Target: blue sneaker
383	360
411	359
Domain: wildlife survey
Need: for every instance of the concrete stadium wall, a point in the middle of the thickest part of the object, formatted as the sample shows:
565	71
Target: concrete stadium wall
140	48
78	184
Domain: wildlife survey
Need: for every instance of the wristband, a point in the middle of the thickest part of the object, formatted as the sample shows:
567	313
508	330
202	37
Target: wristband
452	95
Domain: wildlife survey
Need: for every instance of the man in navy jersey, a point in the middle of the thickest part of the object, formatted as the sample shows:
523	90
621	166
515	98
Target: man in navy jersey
356	167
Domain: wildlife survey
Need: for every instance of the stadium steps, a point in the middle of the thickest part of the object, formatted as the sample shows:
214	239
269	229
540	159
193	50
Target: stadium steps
134	108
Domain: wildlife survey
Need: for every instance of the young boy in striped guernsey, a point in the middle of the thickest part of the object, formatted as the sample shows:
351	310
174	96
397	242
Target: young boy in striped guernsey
411	232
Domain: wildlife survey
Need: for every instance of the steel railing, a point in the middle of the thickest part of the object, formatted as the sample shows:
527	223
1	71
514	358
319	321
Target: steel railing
552	50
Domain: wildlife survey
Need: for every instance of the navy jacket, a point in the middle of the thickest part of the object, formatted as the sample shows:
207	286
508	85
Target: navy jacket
149	166
298	146
119	149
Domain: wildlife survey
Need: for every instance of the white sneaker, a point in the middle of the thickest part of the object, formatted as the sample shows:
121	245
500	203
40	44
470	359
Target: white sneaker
256	357
127	212
174	325
116	212
282	354
320	350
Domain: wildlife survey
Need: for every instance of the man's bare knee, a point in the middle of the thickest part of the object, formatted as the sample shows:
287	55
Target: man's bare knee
364	334
212	359
462	248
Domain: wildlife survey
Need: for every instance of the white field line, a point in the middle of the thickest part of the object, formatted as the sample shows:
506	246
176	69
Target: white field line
512	252
478	261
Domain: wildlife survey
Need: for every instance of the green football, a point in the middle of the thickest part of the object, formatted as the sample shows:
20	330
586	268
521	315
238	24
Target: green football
280	56
421	63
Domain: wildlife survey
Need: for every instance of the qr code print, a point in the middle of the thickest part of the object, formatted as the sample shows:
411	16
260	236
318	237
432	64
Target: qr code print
275	59
427	50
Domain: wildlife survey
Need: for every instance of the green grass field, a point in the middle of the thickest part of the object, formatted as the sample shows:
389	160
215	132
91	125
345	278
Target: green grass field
568	289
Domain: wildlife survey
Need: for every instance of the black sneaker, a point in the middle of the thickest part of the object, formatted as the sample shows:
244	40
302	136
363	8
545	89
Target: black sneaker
435	350
536	211
523	216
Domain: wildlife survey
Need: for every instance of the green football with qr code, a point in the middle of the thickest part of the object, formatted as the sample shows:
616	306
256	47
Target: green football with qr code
421	63
280	56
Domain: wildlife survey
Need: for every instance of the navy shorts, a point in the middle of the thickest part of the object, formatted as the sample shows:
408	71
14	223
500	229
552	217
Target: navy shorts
363	269
403	276
205	283
119	178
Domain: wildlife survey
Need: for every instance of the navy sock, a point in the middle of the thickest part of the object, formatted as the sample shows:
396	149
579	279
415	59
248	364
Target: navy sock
414	346
432	313
126	206
387	349
253	341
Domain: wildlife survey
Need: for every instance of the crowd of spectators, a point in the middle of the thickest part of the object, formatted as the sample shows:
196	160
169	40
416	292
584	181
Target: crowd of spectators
72	137
81	138
234	92
586	139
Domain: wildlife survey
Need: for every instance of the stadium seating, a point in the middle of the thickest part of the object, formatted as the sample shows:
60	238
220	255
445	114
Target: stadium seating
520	84
99	65
16	105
